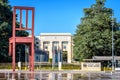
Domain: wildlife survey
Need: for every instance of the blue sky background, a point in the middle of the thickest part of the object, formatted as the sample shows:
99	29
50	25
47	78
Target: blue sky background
61	15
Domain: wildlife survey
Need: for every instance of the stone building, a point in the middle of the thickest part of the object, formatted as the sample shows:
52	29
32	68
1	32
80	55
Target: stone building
55	41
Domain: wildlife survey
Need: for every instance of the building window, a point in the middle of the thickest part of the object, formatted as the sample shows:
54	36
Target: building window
55	47
64	47
37	42
46	47
55	42
46	42
64	56
37	47
37	58
65	42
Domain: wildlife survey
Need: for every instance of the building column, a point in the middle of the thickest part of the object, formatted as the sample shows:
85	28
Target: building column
69	52
41	45
60	45
50	50
59	57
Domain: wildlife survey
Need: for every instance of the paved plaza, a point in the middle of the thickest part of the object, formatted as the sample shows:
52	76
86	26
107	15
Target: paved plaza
59	75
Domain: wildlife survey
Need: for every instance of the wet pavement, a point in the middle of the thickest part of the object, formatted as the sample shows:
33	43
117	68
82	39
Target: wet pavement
58	75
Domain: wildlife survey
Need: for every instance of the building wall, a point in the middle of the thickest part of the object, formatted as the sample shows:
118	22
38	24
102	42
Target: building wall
59	41
37	42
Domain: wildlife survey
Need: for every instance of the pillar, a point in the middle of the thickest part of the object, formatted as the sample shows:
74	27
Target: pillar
51	51
69	52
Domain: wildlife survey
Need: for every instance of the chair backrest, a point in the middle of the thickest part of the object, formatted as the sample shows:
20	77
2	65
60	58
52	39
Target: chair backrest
31	28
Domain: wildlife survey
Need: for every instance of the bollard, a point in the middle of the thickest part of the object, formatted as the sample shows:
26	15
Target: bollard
8	76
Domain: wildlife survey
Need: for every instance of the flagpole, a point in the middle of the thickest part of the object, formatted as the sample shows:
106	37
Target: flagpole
113	65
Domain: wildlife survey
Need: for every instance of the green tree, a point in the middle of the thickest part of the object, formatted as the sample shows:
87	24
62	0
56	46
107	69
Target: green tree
6	30
93	34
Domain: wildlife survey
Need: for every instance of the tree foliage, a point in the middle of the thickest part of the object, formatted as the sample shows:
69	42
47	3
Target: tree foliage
93	34
6	30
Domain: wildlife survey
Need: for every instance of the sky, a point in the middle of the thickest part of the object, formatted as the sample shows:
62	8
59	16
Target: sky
61	16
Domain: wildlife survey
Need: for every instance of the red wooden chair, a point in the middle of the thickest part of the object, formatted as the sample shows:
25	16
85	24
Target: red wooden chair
22	40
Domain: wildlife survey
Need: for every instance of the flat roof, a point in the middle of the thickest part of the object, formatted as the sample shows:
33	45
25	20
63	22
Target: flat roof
102	58
46	34
106	57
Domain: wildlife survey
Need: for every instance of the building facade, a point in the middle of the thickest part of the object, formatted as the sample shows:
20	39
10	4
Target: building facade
49	42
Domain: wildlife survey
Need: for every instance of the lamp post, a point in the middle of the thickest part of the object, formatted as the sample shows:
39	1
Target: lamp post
113	65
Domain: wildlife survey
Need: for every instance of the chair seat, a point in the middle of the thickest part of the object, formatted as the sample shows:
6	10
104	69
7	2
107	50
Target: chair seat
21	40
